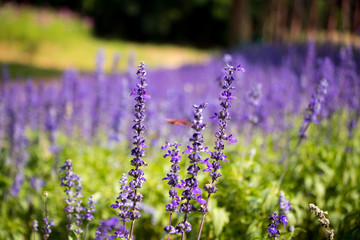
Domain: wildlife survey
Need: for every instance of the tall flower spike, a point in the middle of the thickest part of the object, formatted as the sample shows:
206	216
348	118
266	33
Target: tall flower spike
138	151
35	226
222	117
173	181
284	204
190	185
68	181
89	213
122	205
314	107
78	209
47	224
73	209
253	99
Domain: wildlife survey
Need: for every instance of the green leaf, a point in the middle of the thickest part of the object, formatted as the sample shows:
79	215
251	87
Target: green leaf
219	217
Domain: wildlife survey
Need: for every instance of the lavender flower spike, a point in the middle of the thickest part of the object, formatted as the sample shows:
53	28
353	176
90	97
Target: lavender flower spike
35	226
68	181
284	204
273	227
47	224
222	117
173	181
73	202
139	142
88	215
122	204
190	185
314	107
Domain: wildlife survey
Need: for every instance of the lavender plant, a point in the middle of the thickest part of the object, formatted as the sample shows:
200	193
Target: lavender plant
284	204
314	107
105	227
283	91
173	180
253	99
139	142
311	116
46	230
123	206
74	209
89	214
68	181
190	185
223	116
35	226
273	227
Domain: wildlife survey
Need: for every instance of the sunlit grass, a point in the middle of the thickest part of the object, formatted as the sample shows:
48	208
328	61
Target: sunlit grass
47	39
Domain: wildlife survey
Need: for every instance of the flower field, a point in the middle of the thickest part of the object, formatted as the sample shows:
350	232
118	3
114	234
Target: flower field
233	148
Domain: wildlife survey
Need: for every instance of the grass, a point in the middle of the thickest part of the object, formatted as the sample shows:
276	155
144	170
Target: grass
52	41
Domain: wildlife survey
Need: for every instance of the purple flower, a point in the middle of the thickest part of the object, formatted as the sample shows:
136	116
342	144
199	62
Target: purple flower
173	180
89	210
123	205
284	204
138	152
190	185
275	220
35	225
47	227
222	117
37	183
253	99
314	107
105	227
73	202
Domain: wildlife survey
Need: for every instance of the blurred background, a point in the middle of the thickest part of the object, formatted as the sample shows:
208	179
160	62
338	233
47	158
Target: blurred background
67	68
44	37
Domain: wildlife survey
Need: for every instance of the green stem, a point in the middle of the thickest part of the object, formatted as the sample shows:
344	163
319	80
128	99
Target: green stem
86	229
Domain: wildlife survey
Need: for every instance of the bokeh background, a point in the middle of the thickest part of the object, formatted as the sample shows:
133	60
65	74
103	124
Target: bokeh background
52	35
68	68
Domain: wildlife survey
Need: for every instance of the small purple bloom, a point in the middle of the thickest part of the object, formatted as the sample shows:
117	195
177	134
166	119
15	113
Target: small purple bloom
275	220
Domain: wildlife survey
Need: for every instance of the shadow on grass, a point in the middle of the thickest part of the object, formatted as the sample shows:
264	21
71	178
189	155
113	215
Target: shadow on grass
20	71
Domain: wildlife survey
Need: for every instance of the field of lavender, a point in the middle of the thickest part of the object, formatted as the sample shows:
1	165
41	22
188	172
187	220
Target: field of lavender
234	148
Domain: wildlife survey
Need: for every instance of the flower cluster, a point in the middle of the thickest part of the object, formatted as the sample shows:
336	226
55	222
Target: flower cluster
75	212
222	117
122	205
253	99
78	208
273	226
284	204
323	220
35	225
314	107
90	209
173	181
68	181
47	227
190	185
105	227
139	142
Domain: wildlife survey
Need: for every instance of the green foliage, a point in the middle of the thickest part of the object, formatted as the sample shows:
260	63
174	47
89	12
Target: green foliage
33	26
322	171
